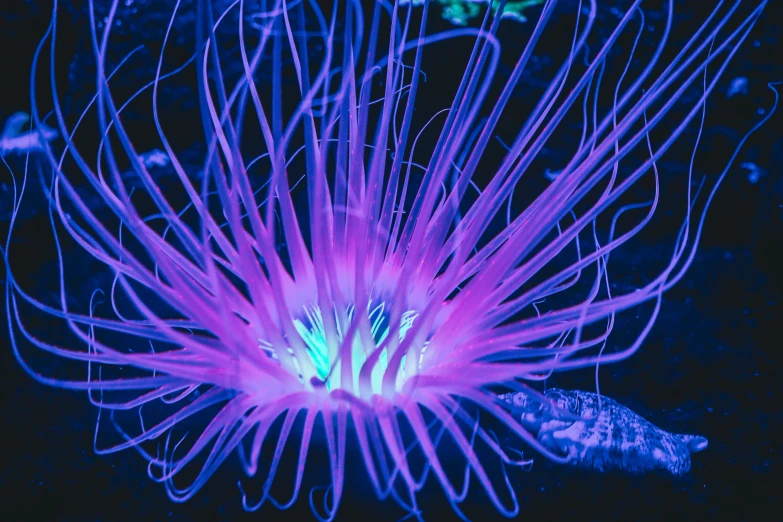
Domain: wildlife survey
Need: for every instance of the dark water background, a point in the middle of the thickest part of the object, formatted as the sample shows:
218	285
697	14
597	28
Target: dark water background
712	364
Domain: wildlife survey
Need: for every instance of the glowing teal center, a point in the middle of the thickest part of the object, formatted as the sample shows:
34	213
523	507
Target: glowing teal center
311	329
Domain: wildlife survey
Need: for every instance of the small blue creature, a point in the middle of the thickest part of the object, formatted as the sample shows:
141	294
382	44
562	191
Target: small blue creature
18	140
597	432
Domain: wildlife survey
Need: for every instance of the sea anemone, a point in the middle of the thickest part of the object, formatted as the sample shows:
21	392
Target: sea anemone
342	275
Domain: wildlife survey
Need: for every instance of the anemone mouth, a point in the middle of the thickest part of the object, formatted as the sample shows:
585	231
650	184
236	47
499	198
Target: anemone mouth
325	351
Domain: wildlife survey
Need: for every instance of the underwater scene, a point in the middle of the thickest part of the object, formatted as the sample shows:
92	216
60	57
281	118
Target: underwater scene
391	260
